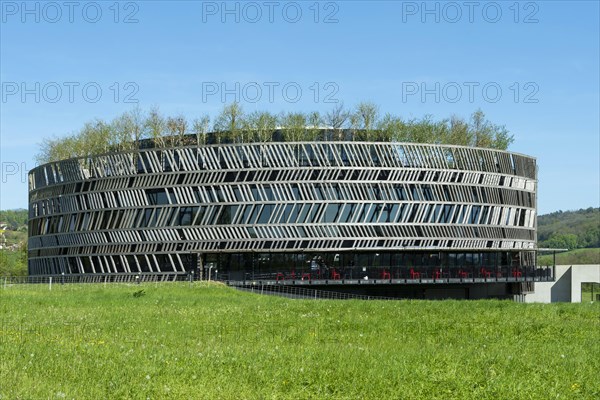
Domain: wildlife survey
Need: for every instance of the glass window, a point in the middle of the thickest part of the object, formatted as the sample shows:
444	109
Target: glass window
346	212
475	214
331	213
265	214
254	215
303	213
185	216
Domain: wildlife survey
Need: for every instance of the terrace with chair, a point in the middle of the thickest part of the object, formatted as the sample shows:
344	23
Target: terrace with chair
357	275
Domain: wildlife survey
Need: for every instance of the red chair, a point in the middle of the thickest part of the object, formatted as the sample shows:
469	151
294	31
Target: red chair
437	274
485	273
306	276
335	275
292	275
279	277
463	274
516	273
414	274
386	274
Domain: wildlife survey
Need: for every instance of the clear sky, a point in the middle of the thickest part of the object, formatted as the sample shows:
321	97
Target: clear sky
533	66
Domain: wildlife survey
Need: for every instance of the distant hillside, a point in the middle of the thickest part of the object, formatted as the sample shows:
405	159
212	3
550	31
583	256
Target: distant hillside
577	256
15	219
13	242
13	229
570	229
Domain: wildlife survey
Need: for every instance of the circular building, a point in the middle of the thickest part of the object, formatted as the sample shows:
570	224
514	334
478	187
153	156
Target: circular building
330	212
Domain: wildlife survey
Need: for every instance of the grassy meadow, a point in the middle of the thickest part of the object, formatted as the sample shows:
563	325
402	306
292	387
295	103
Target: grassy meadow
573	257
200	341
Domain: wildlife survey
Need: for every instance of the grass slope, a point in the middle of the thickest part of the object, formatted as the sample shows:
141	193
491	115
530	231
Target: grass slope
211	342
573	257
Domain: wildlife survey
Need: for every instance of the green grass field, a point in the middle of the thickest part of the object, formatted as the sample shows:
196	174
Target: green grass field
178	341
578	256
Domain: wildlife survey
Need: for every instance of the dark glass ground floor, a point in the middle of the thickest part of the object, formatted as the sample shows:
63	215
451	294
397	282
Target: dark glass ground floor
382	267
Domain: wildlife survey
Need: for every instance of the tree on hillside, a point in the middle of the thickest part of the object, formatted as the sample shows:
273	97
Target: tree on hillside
590	238
562	241
13	263
14	219
557	229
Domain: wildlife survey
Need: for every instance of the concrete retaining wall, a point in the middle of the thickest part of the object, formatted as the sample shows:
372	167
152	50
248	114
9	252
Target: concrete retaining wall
567	286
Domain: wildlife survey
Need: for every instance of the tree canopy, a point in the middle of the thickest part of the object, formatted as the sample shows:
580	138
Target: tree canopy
570	229
363	122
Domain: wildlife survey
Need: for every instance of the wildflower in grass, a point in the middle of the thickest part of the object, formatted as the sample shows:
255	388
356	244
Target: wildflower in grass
575	387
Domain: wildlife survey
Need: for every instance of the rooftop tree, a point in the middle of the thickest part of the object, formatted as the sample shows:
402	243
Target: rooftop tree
230	123
367	115
155	125
126	131
200	128
336	118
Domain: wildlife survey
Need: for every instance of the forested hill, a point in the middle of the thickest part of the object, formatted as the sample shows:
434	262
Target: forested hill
14	219
13	242
13	229
570	229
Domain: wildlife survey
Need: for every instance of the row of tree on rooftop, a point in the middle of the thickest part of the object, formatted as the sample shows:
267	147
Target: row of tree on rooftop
362	123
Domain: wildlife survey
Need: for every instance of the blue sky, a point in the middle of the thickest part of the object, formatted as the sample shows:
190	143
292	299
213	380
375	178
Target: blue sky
533	66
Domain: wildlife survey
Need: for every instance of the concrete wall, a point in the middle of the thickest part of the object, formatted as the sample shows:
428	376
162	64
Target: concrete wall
581	274
567	286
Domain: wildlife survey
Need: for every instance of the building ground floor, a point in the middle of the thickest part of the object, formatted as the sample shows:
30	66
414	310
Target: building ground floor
400	266
424	291
419	274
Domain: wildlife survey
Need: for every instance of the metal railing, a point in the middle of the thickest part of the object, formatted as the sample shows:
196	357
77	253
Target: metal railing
261	288
400	275
375	276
